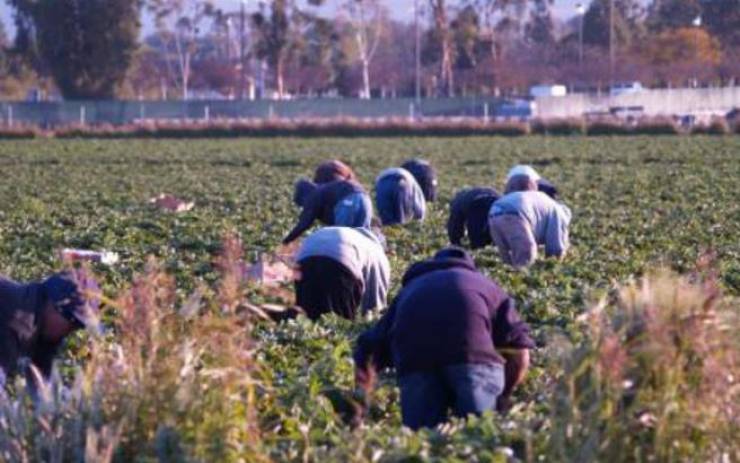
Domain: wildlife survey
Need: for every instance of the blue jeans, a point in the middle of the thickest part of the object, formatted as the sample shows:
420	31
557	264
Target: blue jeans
466	389
355	210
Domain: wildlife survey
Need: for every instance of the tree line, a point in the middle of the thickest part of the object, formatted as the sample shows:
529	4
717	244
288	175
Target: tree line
93	49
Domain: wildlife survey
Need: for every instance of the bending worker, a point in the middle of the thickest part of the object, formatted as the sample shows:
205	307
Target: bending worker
35	319
399	197
454	338
425	175
343	203
469	215
525	218
340	270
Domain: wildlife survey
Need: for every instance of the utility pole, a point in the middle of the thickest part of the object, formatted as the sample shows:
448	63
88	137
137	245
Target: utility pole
417	51
612	42
242	50
581	12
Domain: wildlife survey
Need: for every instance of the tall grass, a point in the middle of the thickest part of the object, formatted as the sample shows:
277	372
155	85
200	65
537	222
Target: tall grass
656	380
170	382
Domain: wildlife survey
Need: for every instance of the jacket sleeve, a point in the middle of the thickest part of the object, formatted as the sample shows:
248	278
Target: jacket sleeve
373	349
456	223
306	219
376	274
420	203
509	330
556	235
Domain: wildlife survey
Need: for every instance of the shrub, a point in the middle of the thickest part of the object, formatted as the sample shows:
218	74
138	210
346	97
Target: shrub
717	126
19	132
656	378
176	380
607	127
565	126
657	126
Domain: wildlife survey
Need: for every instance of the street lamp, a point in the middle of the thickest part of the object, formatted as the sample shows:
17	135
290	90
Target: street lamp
417	52
581	10
242	48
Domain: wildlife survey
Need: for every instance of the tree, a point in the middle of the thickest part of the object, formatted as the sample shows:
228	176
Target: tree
540	29
179	25
87	46
365	19
597	23
683	53
672	14
274	39
442	35
722	18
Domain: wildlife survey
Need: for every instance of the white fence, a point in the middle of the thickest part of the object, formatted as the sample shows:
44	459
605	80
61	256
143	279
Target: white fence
666	102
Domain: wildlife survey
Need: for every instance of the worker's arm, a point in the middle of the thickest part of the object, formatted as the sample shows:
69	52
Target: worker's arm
305	220
515	370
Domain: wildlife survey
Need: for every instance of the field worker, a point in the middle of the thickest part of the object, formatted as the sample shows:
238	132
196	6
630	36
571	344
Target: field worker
340	270
399	197
526	218
342	203
454	338
469	214
331	171
425	175
35	318
519	176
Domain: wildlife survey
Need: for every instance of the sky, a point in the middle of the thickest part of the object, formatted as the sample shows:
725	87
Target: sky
401	9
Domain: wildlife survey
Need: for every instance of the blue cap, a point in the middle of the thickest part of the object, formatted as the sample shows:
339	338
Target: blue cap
72	294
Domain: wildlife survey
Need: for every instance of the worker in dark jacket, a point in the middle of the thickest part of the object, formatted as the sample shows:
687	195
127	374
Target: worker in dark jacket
35	318
331	171
342	203
425	175
454	338
399	197
469	213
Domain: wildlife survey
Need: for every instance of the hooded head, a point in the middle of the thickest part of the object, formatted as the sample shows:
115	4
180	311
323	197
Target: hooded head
425	175
331	171
73	295
303	189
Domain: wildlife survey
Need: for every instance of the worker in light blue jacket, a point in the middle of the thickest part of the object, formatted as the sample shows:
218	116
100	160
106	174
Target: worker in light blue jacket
399	197
522	220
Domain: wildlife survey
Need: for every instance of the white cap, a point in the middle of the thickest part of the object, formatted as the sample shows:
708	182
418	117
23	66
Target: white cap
523	170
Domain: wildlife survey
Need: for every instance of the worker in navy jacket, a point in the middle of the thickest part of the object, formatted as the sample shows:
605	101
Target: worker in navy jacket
398	197
469	215
35	318
454	338
425	175
342	203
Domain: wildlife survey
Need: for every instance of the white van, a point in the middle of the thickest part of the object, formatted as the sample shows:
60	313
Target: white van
625	88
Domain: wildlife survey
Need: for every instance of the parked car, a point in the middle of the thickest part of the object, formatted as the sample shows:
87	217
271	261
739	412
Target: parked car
626	88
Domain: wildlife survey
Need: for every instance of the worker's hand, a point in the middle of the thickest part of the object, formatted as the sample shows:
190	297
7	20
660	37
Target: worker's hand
360	404
503	404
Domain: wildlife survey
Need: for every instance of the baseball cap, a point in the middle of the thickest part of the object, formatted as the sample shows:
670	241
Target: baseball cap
75	295
524	170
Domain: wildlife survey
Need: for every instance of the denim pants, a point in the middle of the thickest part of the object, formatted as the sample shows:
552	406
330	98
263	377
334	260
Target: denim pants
393	200
355	210
467	389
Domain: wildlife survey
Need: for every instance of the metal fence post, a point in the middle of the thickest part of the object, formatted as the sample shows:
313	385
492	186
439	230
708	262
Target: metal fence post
208	113
485	113
10	115
82	115
412	111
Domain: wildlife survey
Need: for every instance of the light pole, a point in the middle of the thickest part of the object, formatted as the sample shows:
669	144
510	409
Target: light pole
417	52
242	48
581	10
612	43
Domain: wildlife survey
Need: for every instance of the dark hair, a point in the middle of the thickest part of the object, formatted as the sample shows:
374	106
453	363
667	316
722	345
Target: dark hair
425	175
331	171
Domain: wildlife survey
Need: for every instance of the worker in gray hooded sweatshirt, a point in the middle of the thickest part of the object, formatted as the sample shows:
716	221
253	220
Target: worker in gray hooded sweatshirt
399	197
525	218
341	269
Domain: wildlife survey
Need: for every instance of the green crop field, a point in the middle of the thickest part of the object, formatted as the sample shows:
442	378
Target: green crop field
638	203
